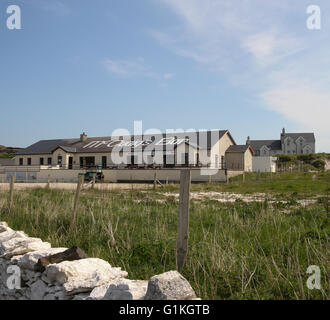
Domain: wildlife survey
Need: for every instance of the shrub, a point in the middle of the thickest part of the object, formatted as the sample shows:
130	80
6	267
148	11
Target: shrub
306	158
284	158
319	164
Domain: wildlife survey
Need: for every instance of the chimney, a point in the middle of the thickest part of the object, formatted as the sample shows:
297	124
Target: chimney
83	137
248	140
283	131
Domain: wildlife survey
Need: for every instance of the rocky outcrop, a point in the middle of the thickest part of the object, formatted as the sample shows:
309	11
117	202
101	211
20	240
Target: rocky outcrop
28	272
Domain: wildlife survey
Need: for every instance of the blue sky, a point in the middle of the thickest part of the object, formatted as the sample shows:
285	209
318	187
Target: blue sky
250	66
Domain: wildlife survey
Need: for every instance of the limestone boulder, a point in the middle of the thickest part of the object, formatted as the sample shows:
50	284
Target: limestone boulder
82	275
30	259
20	246
11	234
170	285
121	289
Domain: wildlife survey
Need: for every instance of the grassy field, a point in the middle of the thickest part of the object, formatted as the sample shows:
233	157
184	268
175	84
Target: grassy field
297	185
236	250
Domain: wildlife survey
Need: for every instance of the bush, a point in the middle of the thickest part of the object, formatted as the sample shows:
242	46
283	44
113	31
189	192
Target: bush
318	164
284	158
306	158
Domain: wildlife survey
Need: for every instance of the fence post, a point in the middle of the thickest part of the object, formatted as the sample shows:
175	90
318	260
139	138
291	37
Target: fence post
243	177
183	223
11	193
76	199
48	182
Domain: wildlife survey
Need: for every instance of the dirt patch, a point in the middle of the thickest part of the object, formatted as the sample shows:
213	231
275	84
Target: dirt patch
232	197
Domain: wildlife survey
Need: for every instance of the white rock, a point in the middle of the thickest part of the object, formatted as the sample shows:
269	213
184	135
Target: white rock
20	246
170	285
11	234
3	226
28	260
83	275
121	289
38	290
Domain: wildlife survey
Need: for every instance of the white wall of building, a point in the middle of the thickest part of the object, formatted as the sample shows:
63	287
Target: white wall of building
264	164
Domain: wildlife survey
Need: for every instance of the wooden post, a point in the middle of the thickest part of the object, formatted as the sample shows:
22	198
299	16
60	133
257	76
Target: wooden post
48	182
210	178
11	193
167	180
183	224
227	178
76	199
243	177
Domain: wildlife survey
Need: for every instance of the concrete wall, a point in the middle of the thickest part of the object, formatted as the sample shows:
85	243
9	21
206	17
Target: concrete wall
118	175
264	164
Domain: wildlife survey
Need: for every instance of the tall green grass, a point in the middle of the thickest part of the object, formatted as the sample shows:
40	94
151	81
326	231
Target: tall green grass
236	251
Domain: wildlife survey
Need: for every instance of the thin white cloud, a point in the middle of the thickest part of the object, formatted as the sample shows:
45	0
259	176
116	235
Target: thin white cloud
128	68
269	47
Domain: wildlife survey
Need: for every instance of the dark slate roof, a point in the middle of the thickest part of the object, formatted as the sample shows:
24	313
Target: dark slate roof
308	136
239	148
203	139
271	144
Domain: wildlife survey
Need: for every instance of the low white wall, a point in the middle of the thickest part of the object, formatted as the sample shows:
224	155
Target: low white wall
115	175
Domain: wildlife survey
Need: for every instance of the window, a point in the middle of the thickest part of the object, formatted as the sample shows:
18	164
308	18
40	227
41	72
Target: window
104	162
59	160
20	161
49	161
29	161
41	161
